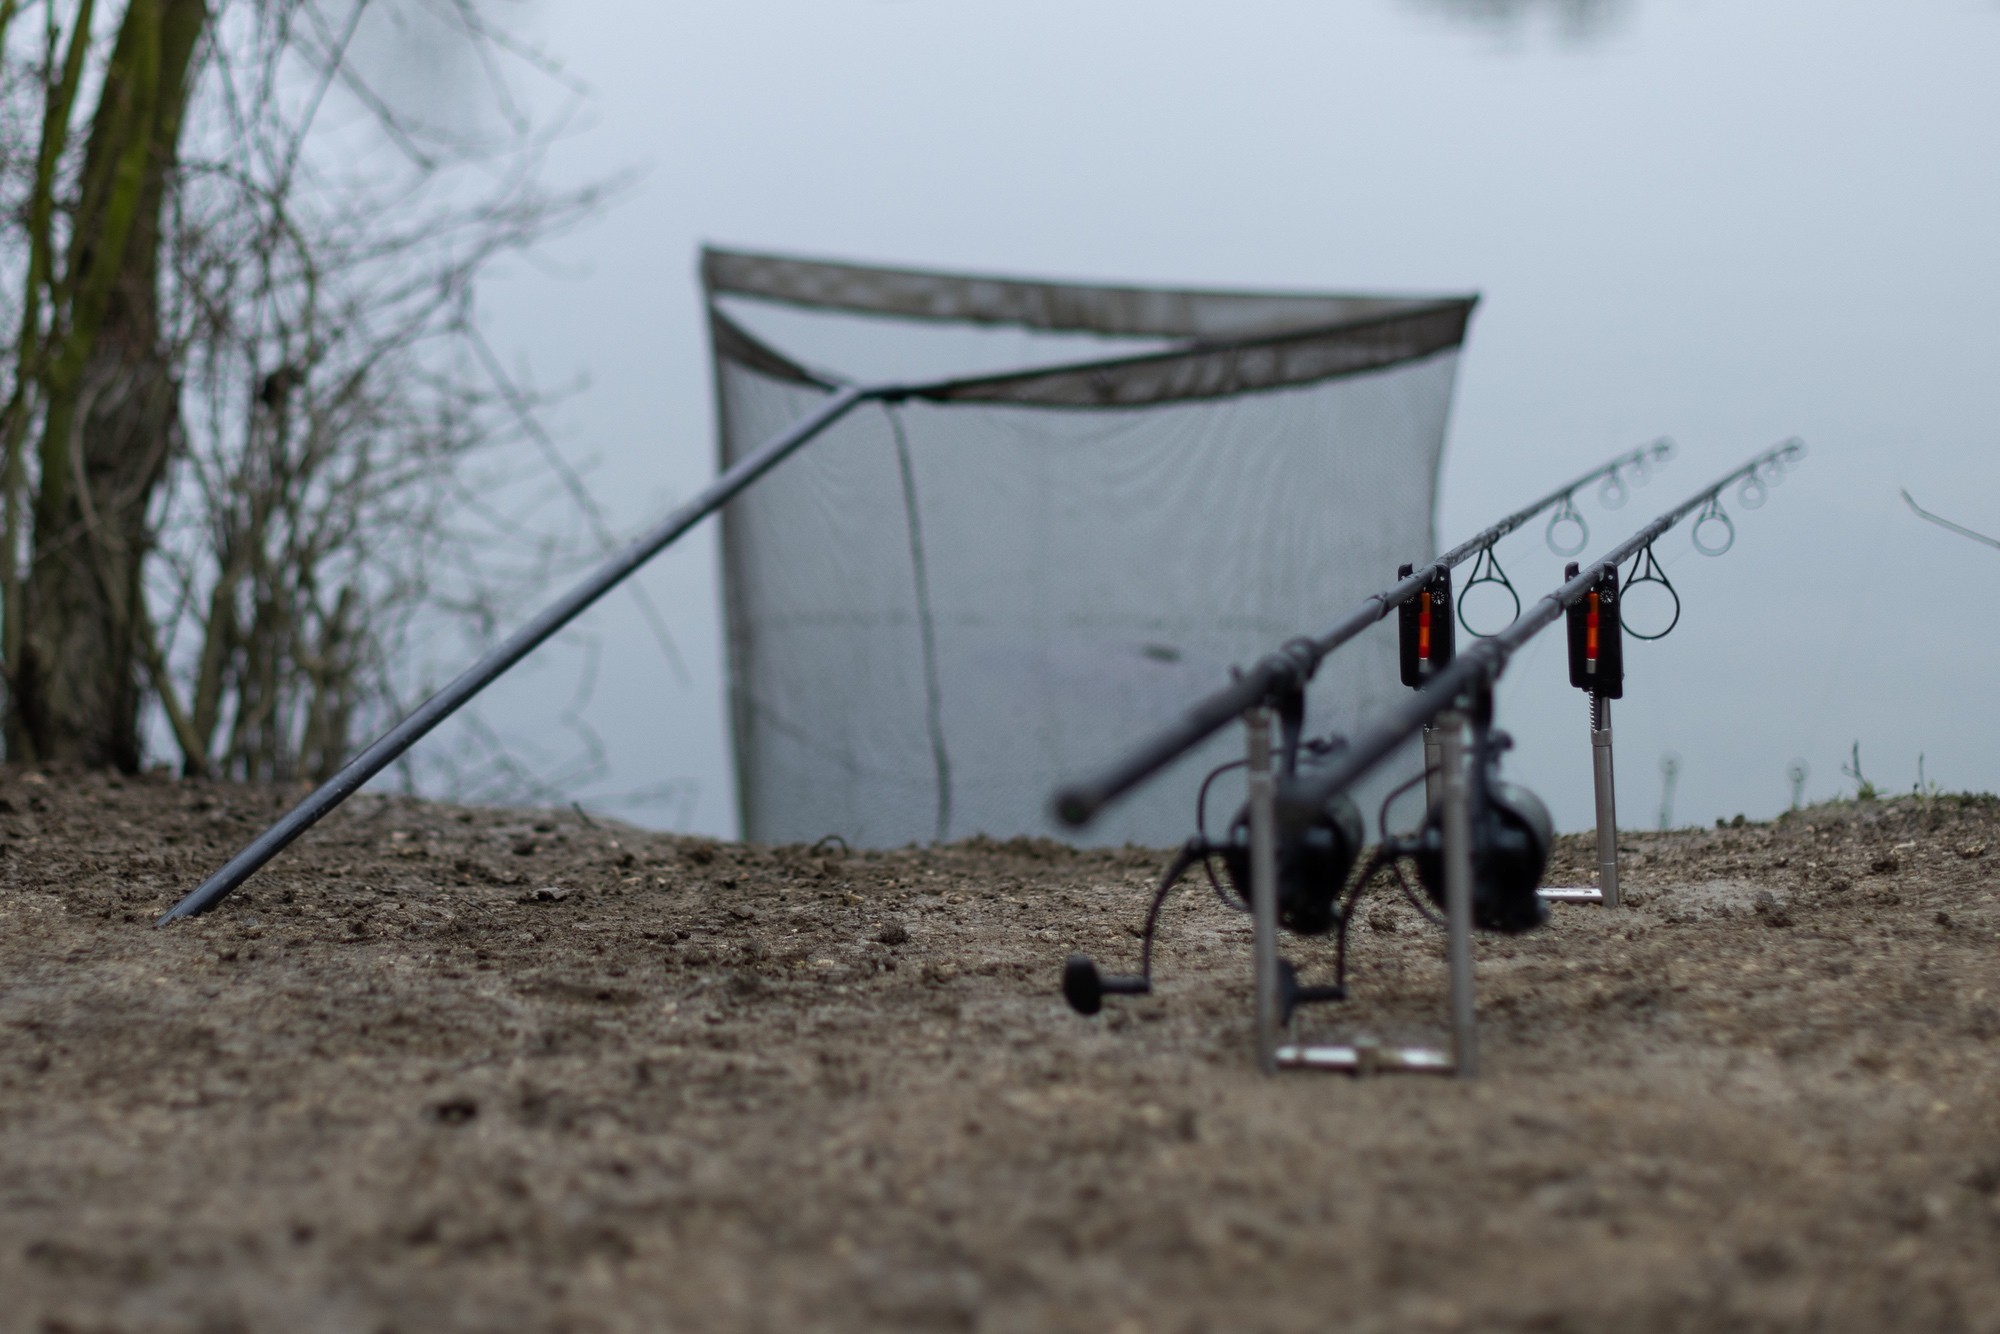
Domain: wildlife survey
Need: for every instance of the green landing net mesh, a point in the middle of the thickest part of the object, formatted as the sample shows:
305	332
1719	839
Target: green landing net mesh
1097	501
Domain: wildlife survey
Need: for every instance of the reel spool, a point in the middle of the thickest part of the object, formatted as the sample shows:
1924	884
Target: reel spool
1315	858
1516	843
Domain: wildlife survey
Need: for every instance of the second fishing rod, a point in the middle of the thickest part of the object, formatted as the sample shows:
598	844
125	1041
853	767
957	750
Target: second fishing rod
1482	664
1078	803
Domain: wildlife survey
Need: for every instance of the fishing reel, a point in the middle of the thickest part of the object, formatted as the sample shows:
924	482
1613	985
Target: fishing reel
1316	852
1512	835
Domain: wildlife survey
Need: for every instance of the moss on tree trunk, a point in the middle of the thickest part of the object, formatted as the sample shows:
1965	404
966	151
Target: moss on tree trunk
110	412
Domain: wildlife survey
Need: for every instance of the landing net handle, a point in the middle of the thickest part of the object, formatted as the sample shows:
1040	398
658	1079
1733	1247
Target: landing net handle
386	750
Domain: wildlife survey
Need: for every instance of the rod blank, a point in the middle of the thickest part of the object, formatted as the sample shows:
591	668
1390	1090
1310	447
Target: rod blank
1294	664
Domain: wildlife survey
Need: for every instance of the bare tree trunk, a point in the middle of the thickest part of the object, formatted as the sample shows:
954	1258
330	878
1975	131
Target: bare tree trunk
31	352
110	415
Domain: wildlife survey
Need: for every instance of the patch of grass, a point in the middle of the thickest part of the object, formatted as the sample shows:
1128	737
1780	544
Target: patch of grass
1863	789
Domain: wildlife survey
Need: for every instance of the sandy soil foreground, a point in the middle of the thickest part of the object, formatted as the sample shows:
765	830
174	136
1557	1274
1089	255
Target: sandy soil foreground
447	1069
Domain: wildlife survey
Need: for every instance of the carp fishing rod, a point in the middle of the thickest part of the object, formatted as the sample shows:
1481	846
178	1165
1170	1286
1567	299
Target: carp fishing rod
1483	662
1296	662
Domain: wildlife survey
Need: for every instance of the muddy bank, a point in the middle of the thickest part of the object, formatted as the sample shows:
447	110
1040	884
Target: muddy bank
458	1069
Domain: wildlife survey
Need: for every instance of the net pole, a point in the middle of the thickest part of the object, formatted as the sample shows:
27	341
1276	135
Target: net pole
398	739
1080	802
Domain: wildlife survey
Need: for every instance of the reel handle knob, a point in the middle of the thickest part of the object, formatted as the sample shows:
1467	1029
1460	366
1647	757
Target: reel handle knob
1085	988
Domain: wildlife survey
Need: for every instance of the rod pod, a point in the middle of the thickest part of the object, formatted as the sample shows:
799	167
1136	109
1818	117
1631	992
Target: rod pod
1461	786
1455	778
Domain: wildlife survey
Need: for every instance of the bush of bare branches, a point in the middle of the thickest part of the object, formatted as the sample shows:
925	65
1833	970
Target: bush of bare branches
248	487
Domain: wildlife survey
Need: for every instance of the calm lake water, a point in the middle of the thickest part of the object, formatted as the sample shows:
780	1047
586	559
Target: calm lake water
1727	223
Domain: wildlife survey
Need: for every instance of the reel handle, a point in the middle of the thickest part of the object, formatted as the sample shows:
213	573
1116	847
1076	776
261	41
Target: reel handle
1085	988
1292	993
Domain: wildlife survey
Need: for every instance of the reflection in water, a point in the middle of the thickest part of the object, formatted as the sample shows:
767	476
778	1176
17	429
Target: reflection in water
1573	20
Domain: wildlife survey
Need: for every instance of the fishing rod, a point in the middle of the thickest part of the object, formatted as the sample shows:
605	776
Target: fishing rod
1483	663
1296	662
1483	845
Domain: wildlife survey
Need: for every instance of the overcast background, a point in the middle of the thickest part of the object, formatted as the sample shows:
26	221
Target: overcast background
1724	222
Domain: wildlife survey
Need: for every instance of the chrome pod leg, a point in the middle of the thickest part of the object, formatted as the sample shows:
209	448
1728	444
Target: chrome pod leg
1607	800
1458	889
1263	885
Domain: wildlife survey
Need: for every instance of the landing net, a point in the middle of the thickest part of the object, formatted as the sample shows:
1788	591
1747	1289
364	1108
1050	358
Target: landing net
1098	502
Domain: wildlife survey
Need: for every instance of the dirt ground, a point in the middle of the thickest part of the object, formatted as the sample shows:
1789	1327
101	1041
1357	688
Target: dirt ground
445	1069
